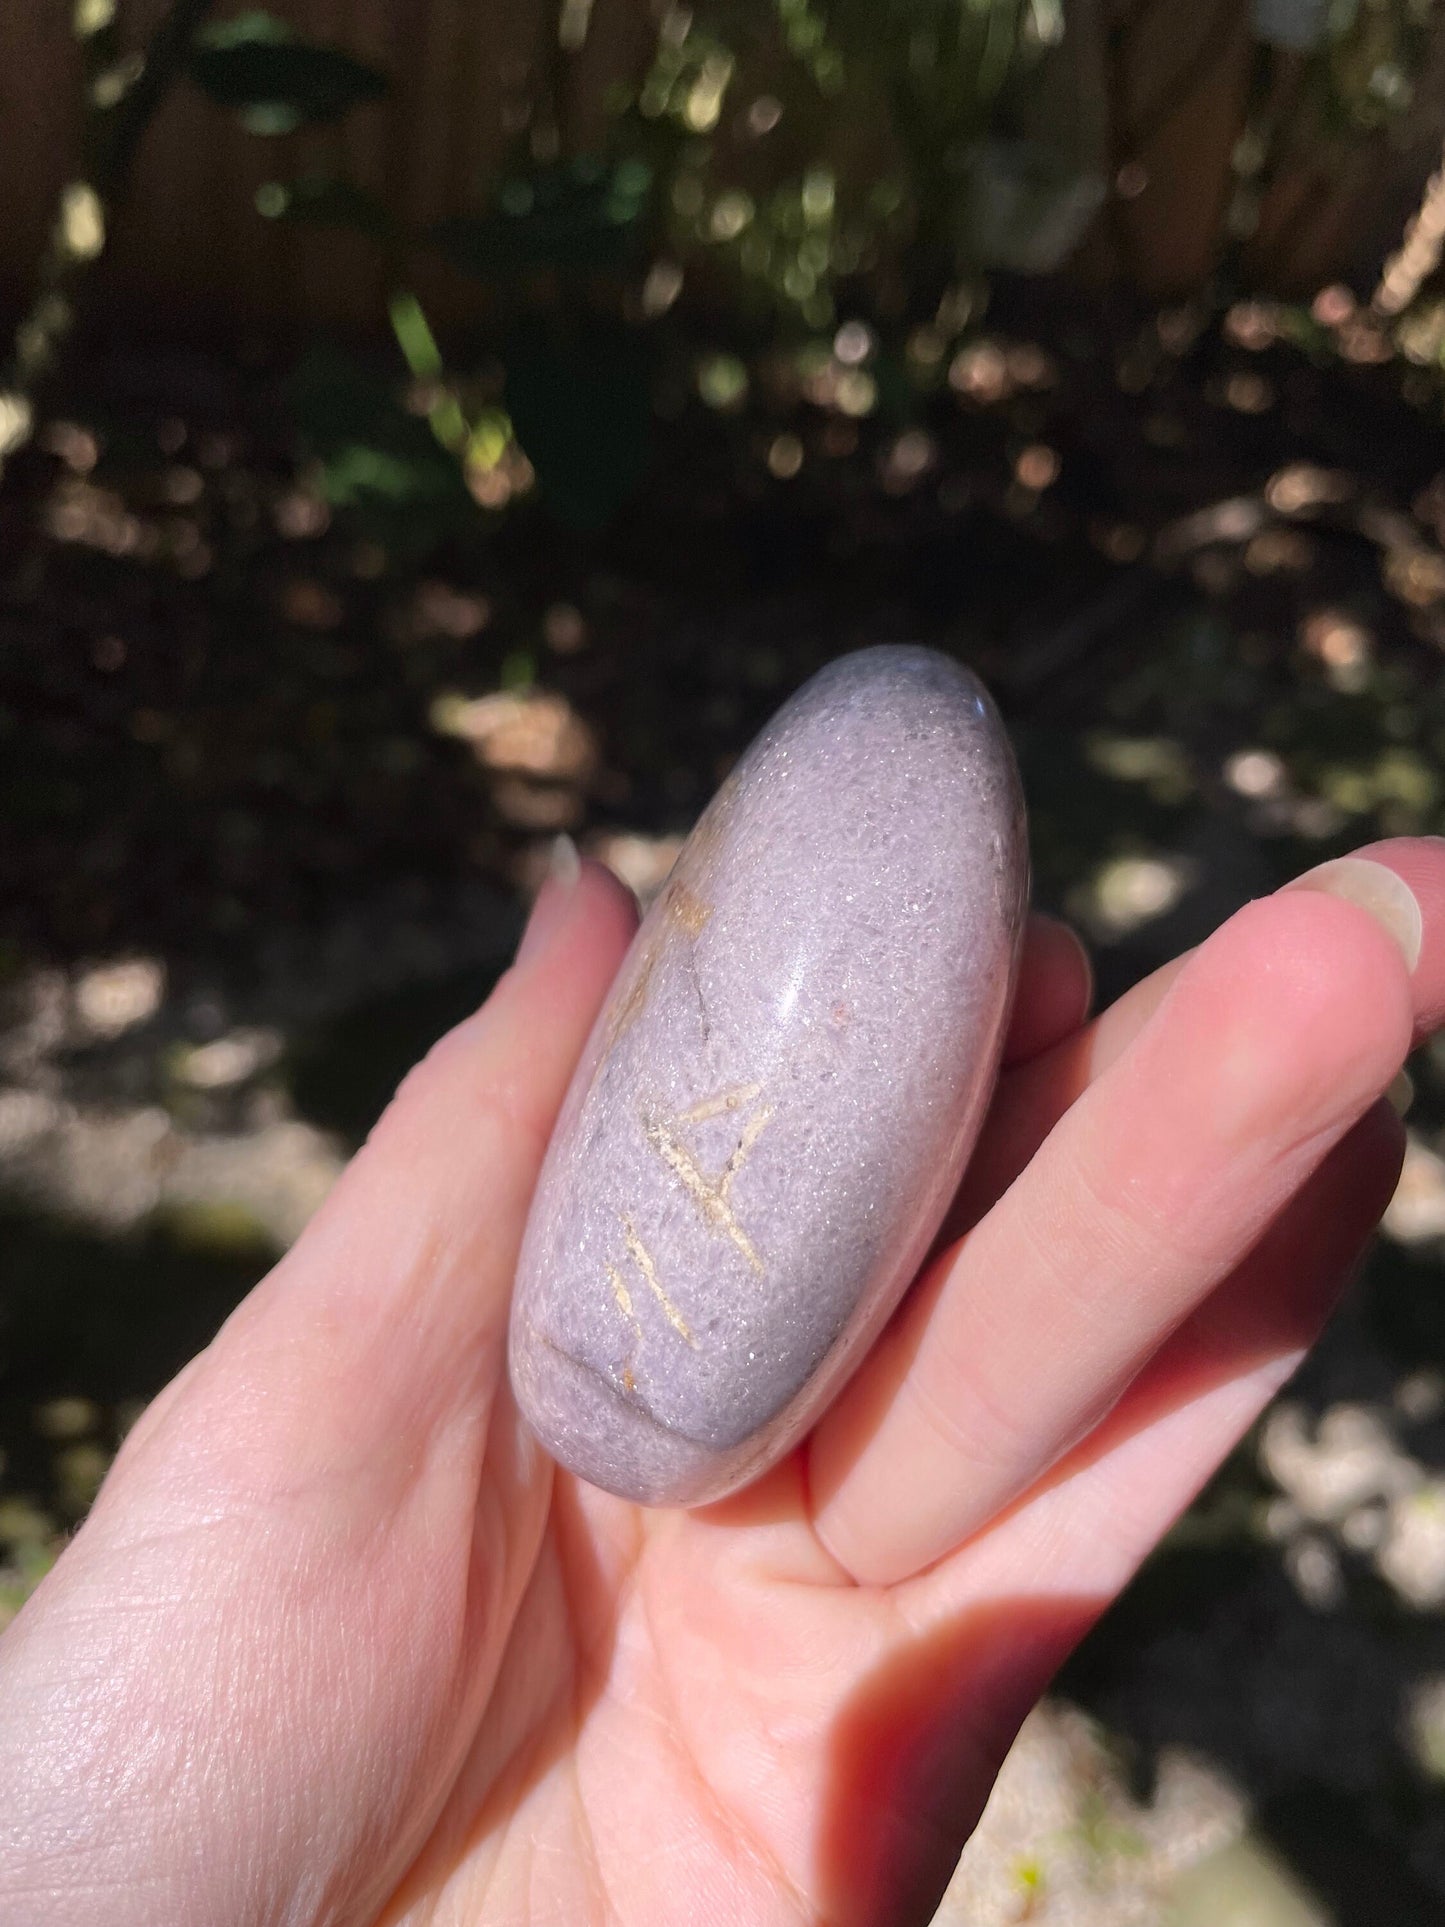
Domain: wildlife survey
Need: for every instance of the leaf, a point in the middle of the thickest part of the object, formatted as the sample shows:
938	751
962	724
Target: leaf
377	460
256	66
581	215
582	412
246	29
414	337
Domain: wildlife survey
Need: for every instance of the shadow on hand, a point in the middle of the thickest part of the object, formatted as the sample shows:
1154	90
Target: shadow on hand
915	1750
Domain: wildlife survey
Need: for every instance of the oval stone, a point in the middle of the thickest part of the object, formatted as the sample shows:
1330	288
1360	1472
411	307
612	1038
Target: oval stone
777	1102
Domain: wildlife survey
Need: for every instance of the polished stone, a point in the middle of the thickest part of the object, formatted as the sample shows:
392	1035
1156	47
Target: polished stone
776	1104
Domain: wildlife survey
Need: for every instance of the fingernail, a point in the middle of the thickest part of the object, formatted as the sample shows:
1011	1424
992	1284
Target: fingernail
1387	897
564	873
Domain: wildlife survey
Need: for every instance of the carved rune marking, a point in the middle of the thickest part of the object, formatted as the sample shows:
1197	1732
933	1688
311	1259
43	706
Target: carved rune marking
641	1257
639	1254
621	1293
711	1194
679	908
685	908
719	1106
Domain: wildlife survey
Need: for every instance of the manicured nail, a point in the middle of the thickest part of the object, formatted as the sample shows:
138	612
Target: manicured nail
564	873
1387	897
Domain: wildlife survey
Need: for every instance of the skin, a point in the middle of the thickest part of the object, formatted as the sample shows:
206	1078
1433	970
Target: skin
338	1644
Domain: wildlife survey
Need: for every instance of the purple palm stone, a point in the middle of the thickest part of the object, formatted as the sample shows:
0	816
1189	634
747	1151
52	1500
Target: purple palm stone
778	1100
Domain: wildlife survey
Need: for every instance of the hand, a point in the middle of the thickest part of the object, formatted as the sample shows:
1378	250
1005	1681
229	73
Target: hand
338	1644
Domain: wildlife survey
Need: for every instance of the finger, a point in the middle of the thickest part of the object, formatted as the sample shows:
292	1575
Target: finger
1033	1096
325	1528
1419	862
1081	1534
1055	985
390	1311
1275	1036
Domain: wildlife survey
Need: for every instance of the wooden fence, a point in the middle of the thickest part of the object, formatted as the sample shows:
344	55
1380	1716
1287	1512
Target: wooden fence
189	245
189	238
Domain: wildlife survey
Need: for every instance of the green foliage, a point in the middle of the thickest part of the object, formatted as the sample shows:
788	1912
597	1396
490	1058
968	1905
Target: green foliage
771	171
1368	60
868	141
373	457
581	405
415	338
277	83
254	29
579	215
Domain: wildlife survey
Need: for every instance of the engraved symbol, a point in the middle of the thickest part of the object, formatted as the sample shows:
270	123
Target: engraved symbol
641	1257
680	908
639	1254
711	1194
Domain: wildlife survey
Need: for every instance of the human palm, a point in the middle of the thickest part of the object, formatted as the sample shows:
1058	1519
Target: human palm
338	1643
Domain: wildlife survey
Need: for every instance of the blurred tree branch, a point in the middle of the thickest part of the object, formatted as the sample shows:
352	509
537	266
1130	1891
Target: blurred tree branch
123	91
119	132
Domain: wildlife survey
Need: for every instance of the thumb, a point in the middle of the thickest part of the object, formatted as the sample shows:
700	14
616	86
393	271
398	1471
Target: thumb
389	1314
246	1688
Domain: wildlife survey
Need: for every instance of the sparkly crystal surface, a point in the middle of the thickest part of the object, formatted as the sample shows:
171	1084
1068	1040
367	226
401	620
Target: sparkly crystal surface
778	1100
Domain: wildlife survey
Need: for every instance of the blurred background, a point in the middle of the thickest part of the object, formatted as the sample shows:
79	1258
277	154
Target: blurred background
427	426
